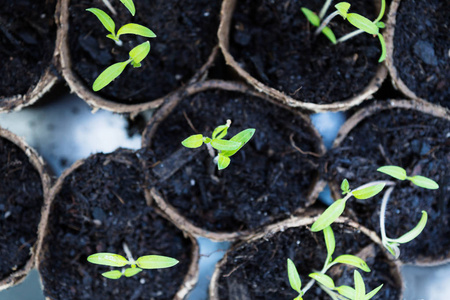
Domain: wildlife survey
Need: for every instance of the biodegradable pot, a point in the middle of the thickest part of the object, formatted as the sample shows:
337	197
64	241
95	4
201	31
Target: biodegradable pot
96	206
256	268
273	176
27	46
415	136
417	52
181	53
24	183
271	45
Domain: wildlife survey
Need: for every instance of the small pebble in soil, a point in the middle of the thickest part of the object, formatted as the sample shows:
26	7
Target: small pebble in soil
425	51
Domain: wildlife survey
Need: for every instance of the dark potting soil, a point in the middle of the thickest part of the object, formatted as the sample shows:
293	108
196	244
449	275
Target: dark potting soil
186	34
21	199
267	179
421	44
420	144
258	270
101	206
275	43
27	42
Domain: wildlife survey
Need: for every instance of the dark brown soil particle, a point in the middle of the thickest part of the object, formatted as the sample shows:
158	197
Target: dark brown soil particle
417	142
21	199
186	35
101	206
275	43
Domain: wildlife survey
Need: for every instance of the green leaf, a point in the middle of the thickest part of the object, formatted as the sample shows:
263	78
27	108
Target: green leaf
392	248
294	277
362	23
380	24
242	137
132	271
220	131
108	259
424	182
323	279
352	260
360	289
343	8
110	73
373	292
394	171
136	29
330	241
383	48
156	262
106	20
345	187
409	236
329	215
299	297
194	141
368	192
329	34
346	291
311	16
130	6
224	145
138	53
223	161
115	274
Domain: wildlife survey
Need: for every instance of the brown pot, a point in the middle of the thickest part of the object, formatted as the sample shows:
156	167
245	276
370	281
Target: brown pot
228	8
35	177
105	213
252	278
192	208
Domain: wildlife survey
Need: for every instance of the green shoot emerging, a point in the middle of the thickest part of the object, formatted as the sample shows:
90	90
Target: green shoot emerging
400	174
225	148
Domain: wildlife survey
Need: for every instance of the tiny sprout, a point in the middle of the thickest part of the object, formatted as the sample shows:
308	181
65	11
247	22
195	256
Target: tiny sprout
226	148
294	279
360	289
400	173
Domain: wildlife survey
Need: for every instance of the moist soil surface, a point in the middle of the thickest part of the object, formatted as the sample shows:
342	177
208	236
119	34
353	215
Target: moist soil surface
274	42
258	270
27	42
101	206
186	34
420	144
267	180
21	199
421	44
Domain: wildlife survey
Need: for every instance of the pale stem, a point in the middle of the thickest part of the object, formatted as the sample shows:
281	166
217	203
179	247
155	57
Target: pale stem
110	7
349	35
324	9
210	150
128	254
118	43
386	182
384	202
325	22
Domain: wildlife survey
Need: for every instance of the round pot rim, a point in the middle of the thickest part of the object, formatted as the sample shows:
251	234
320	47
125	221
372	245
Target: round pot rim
342	105
44	173
93	99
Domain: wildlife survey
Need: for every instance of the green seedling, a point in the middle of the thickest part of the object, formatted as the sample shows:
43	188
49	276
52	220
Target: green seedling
130	28
143	262
225	148
400	174
137	54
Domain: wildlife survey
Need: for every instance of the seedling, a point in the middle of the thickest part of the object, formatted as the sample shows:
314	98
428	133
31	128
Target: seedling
362	23
143	262
225	148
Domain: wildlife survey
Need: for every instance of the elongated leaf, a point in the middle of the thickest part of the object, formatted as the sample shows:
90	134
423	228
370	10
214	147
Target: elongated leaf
424	182
352	260
394	171
194	141
311	16
242	137
330	241
110	73
362	23
383	48
294	277
368	192
132	271
360	289
139	52
115	274
329	34
156	262
130	6
136	29
223	161
105	19
373	292
323	279
346	291
220	131
108	259
345	186
343	8
224	145
329	215
409	236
